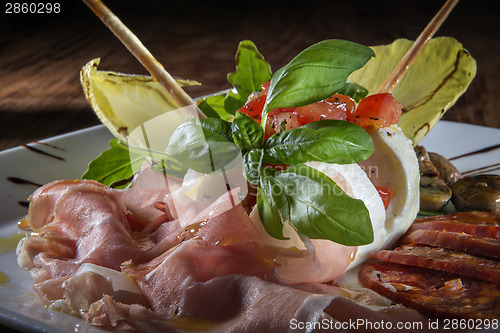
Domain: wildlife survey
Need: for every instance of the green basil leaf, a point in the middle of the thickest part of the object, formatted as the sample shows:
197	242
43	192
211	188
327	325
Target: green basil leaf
159	161
252	70
112	165
331	141
317	206
246	132
204	145
214	107
354	90
115	167
267	205
252	162
233	102
315	74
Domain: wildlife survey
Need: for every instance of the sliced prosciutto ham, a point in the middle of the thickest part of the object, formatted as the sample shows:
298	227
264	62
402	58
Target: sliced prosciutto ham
90	219
216	272
46	197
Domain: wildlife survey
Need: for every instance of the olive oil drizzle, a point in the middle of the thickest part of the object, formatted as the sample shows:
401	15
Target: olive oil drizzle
8	244
4	278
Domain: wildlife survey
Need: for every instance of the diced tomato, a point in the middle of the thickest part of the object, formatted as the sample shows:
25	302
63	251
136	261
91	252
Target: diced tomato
253	109
385	194
335	107
265	87
379	110
285	120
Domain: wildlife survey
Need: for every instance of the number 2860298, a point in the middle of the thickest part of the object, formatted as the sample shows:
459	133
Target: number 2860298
32	8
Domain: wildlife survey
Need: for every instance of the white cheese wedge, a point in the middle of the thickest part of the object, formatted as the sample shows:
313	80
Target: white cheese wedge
119	280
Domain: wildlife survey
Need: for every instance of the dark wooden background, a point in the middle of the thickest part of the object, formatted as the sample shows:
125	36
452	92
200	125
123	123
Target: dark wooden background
41	55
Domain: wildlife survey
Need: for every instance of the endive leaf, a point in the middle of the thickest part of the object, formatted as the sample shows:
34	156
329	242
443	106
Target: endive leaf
123	101
432	85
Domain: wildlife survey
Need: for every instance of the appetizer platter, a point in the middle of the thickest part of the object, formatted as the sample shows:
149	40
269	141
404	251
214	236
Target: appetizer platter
282	204
20	308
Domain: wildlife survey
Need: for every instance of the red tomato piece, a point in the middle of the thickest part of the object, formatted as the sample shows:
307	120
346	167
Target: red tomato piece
265	87
283	121
335	107
385	194
253	109
379	110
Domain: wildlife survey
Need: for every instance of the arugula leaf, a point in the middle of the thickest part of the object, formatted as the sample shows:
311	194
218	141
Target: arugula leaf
353	90
315	74
315	205
246	132
205	145
112	165
331	141
252	70
252	162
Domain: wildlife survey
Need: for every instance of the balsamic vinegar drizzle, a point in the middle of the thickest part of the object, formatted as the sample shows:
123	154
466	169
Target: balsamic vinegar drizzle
49	145
20	181
427	98
484	169
479	151
481	170
24	204
39	151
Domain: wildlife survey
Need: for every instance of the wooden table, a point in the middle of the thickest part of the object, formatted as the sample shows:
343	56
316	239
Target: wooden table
41	55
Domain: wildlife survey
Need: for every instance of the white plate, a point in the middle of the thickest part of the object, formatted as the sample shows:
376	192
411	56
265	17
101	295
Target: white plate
69	156
19	306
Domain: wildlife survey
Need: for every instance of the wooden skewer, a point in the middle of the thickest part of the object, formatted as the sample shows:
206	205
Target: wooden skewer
417	47
142	54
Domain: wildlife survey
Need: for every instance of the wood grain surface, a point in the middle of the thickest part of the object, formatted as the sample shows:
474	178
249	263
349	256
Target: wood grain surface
41	55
